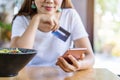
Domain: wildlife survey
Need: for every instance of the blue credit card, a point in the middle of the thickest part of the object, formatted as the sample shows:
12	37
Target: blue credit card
61	34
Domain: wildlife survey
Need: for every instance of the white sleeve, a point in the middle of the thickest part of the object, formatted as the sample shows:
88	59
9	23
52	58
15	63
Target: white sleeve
78	29
18	26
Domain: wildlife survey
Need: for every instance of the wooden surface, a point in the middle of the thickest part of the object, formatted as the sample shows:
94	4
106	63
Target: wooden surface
55	73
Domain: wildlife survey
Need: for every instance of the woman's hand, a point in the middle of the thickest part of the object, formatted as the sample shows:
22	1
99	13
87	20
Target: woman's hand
86	62
46	23
66	66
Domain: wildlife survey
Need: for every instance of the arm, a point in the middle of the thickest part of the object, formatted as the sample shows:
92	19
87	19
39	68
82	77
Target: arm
27	39
43	22
86	63
79	35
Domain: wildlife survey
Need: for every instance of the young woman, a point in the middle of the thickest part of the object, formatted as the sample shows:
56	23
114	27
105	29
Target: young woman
32	28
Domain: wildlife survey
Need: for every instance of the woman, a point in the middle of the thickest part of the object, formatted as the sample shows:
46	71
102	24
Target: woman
33	26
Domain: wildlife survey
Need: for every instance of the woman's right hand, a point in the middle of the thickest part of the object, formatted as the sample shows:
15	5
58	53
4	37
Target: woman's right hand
45	22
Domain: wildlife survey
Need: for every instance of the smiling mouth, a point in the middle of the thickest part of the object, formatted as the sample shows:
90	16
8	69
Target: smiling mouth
48	8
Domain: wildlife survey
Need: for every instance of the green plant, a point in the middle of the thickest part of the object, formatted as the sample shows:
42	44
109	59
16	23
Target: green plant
5	31
5	26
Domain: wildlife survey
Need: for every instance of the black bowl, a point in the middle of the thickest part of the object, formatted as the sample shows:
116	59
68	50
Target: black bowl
12	63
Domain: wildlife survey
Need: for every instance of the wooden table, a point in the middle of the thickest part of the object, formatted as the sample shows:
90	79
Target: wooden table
55	73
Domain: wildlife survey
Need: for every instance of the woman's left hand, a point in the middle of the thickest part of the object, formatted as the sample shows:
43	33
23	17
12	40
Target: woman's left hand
66	66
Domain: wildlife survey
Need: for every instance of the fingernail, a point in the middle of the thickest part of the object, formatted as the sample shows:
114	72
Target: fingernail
69	55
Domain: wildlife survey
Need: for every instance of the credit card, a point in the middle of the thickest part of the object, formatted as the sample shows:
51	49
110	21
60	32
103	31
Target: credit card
61	34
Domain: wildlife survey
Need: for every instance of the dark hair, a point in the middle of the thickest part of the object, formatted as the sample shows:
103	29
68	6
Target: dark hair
26	9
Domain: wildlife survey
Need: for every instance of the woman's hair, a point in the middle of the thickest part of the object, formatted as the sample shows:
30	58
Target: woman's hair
26	9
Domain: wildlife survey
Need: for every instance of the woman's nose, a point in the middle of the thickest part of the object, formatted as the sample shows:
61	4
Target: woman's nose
49	1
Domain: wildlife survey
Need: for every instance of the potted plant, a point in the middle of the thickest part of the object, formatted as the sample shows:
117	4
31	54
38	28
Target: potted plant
5	31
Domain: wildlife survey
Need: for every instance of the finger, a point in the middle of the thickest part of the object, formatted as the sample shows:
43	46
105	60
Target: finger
51	20
61	66
56	26
52	23
53	28
44	27
82	56
74	61
67	65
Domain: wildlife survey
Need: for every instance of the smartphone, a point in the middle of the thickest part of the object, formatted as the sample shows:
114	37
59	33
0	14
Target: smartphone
78	53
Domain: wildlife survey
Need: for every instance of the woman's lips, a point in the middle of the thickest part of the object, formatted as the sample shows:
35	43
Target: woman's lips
48	8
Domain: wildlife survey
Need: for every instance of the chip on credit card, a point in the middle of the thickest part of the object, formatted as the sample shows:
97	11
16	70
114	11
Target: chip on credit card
61	34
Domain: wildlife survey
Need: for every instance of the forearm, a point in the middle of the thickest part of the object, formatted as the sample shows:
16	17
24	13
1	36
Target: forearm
87	62
27	38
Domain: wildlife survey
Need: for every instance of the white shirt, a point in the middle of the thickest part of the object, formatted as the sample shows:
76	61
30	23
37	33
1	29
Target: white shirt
48	46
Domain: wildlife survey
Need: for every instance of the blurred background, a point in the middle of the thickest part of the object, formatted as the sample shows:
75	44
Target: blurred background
105	28
8	8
